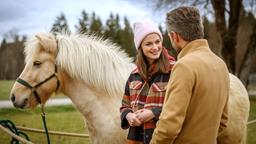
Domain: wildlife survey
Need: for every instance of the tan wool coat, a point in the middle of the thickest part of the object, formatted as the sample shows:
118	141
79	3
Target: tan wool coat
195	105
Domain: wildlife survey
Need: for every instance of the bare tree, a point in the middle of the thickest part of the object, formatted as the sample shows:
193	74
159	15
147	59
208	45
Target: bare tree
250	54
227	29
12	35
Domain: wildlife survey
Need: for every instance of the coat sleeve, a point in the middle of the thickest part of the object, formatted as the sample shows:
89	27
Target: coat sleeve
224	118
125	107
177	98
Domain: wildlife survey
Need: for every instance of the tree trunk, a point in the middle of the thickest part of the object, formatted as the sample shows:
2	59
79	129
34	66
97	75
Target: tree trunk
228	36
219	8
248	58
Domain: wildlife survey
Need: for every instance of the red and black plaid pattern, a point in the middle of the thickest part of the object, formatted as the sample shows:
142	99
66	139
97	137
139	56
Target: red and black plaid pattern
143	94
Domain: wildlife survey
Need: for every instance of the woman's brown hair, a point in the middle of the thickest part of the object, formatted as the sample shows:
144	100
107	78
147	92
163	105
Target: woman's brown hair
161	65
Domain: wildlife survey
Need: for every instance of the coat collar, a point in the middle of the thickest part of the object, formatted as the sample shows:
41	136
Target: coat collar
193	46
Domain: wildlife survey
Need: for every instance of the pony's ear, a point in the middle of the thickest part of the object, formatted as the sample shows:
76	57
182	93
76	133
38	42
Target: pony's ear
48	42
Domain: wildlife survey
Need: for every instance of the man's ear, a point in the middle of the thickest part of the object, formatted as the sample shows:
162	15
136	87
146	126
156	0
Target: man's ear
175	36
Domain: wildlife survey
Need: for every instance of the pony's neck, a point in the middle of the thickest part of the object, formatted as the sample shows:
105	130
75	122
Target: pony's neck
98	63
100	110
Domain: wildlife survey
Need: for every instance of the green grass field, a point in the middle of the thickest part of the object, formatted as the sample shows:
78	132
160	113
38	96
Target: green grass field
67	119
59	118
251	131
5	88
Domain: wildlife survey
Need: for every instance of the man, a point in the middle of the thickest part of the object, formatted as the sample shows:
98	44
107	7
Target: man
195	105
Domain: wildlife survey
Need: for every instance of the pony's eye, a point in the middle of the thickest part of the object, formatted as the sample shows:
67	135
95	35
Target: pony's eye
37	64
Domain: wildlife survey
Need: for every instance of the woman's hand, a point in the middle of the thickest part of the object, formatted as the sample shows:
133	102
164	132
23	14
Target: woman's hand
133	120
144	115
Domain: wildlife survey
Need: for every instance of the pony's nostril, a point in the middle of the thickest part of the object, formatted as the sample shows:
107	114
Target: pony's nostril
26	100
13	97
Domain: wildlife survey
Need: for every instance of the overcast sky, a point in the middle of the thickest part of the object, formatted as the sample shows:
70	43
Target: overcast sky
32	16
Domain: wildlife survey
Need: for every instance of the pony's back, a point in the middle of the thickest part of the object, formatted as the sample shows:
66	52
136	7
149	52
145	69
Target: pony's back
239	107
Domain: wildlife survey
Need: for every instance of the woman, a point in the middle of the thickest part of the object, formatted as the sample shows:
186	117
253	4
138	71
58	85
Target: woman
145	87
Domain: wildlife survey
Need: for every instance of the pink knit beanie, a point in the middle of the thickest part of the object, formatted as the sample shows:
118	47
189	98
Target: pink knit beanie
141	29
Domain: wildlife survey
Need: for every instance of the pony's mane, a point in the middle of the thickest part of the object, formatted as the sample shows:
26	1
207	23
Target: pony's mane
100	63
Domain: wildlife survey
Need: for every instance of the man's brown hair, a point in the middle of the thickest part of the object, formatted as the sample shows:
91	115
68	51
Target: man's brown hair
185	21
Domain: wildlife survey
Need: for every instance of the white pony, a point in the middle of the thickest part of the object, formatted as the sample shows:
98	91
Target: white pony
92	73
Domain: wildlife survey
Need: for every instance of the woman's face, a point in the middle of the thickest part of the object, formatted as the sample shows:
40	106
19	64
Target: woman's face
152	47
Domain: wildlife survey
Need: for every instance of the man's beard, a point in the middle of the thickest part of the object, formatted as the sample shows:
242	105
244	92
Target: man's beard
177	49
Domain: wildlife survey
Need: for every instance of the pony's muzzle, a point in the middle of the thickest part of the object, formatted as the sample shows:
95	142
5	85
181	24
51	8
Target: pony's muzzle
18	105
13	98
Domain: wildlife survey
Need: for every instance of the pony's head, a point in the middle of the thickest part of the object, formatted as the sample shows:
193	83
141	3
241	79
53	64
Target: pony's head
38	80
96	63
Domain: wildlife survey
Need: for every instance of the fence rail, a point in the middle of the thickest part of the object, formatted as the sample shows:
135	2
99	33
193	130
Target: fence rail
53	132
15	136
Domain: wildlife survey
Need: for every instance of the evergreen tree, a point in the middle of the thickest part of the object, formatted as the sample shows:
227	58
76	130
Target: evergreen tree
126	39
168	45
112	28
60	25
118	30
167	42
96	26
84	22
